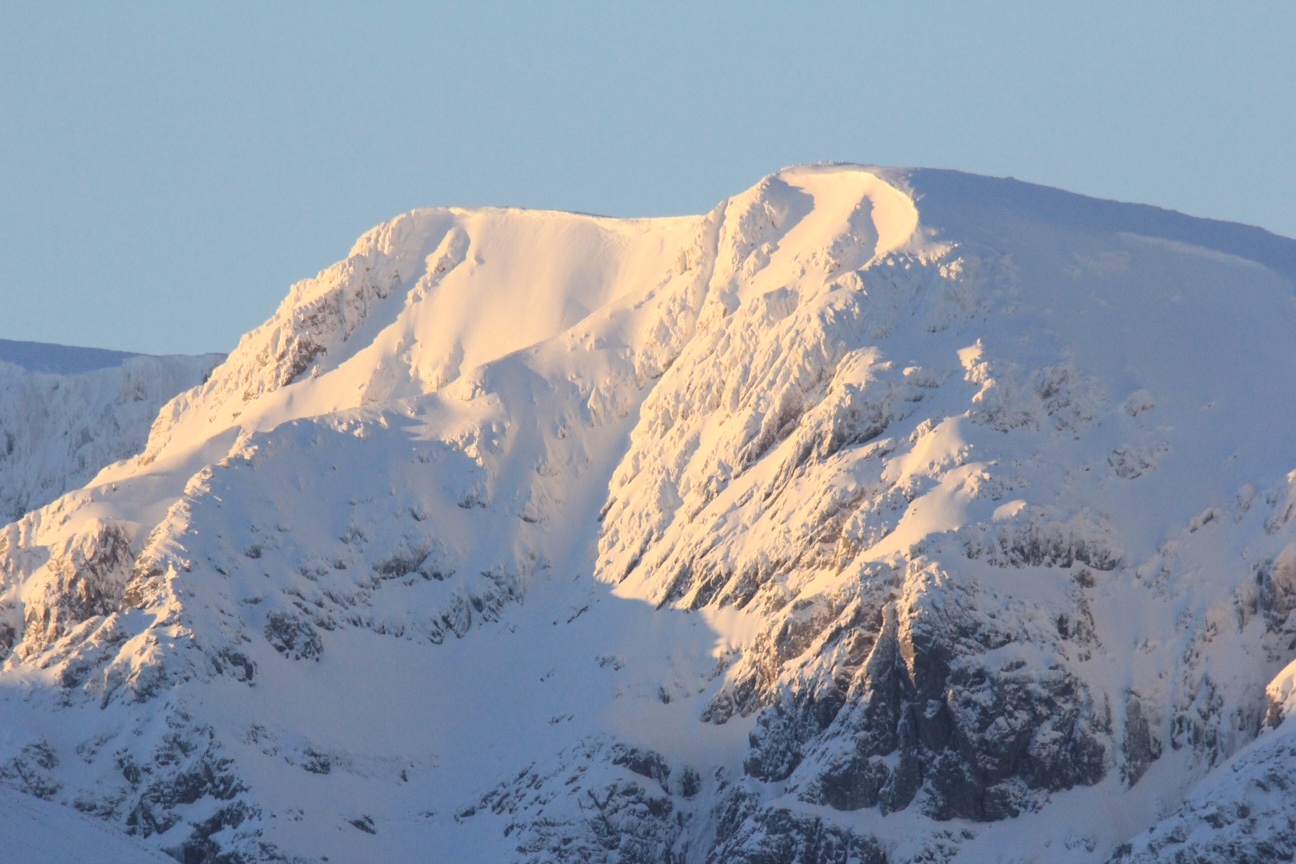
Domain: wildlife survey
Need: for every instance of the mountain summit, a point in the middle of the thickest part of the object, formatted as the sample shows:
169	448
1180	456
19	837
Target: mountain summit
878	515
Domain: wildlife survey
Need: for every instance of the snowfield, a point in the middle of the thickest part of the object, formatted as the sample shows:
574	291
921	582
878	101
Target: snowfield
878	515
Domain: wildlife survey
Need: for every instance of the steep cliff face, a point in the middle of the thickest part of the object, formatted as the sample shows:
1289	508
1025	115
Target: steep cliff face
877	515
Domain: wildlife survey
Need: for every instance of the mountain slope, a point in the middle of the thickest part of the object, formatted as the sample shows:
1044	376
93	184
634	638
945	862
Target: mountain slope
67	412
876	515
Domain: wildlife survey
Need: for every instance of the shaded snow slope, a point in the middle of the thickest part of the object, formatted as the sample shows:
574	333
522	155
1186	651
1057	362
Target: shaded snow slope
37	831
877	515
65	413
977	208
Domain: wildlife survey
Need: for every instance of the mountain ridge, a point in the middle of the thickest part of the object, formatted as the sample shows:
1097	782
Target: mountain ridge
821	526
63	359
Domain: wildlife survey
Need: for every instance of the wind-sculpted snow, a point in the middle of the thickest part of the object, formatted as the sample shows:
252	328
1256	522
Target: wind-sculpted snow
864	518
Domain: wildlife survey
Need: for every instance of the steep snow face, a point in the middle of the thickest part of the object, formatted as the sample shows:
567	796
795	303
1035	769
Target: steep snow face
876	515
65	413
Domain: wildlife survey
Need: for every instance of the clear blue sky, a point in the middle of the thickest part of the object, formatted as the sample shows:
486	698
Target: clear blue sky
168	170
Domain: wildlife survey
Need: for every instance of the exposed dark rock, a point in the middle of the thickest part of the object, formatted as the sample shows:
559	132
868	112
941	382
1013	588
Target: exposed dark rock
316	762
31	771
364	823
558	814
1142	744
293	637
746	833
1046	545
226	661
979	738
85	578
201	848
645	763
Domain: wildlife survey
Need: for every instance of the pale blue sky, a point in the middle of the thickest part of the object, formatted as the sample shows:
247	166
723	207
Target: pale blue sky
168	170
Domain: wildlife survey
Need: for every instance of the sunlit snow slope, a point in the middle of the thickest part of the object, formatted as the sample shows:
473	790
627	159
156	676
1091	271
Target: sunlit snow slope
878	515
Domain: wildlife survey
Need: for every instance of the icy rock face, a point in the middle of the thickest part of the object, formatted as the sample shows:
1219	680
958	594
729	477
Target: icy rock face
60	423
875	516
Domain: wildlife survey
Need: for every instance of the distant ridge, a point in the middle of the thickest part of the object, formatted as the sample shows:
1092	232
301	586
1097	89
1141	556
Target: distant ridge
60	359
66	412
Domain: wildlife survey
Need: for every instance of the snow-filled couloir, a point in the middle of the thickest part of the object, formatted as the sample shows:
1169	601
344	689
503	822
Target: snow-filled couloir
877	515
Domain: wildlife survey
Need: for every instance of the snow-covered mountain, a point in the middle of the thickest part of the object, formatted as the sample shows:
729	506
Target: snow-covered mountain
877	515
67	412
